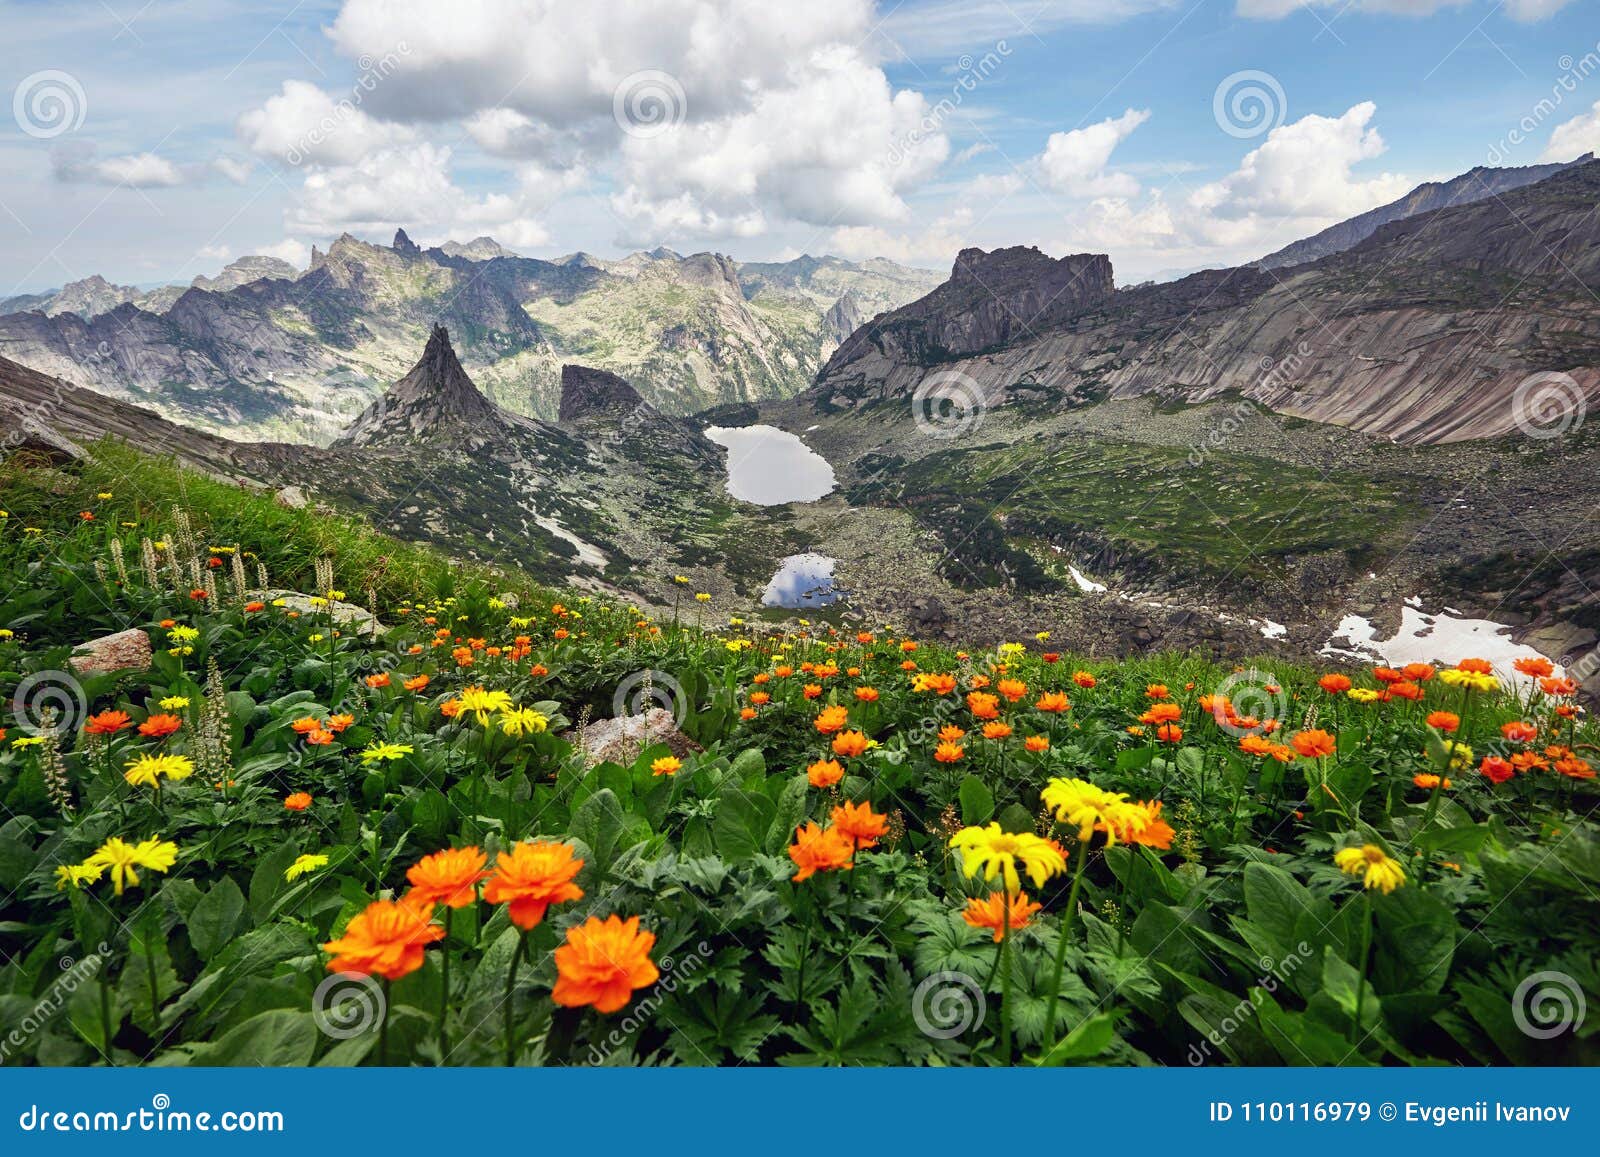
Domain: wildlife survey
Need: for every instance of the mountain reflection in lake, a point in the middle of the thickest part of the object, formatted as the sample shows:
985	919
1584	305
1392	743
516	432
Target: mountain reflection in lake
804	580
770	467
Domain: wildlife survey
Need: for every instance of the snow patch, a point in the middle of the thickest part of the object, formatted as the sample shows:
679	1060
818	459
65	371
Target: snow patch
1431	638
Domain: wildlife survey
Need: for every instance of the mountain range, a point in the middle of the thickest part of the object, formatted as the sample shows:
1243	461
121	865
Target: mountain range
266	351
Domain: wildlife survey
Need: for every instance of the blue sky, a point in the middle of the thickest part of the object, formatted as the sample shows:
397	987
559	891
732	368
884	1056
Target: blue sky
152	141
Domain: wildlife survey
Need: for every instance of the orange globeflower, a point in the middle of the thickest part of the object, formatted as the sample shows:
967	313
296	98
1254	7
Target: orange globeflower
760	698
319	737
1497	770
306	724
602	962
1012	689
1537	668
532	876
1557	685
849	744
867	694
948	752
449	877
983	705
381	679
1053	702
1255	745
160	726
1407	690
298	802
1313	744
1162	713
950	733
832	719
107	723
1519	732
1476	666
1417	672
1037	743
1334	684
388	937
817	849
1084	679
812	690
997	730
666	765
338	723
997	911
1156	691
415	683
859	823
1169	733
1444	720
825	773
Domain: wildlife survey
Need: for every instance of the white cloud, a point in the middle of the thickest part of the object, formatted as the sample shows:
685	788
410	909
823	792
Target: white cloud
936	245
213	252
1531	11
134	170
304	125
235	169
1575	137
1276	9
1075	162
948	26
296	253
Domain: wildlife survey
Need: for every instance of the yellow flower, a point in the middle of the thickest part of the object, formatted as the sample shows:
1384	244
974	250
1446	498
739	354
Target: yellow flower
736	645
497	604
1011	648
1079	803
522	721
1380	871
119	858
1042	636
182	634
336	595
1472	680
77	875
27	741
174	703
680	580
997	852
702	597
146	769
1461	755
1363	694
304	865
103	495
484	703
388	751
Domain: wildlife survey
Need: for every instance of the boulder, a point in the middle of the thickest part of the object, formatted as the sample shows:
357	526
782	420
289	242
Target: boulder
620	740
124	651
291	497
344	614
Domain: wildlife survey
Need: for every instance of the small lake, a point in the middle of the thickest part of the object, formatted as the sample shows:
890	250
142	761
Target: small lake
804	580
769	466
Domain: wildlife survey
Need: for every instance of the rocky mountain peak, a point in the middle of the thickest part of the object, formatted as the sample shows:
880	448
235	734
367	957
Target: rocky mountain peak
844	317
404	245
587	392
437	395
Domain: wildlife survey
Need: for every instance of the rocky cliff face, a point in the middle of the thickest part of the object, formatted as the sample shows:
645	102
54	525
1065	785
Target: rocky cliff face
1473	185
1425	332
587	392
435	400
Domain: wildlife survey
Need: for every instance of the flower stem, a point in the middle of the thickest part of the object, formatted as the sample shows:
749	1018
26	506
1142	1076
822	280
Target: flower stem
383	1028
511	981
1061	949
1005	975
444	991
1361	976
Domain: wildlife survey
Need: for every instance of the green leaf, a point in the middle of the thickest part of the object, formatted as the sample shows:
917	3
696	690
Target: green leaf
215	917
1275	901
279	1037
1088	1039
598	823
977	801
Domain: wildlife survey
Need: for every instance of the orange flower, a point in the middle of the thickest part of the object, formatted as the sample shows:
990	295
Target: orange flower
1162	713
950	733
381	679
1495	769
1444	720
1155	833
388	937
1256	745
1054	702
783	672
825	773
254	608
1429	781
1407	690
760	698
1083	679
832	719
938	684
1574	768
1476	666
1169	733
1334	684
1538	667
1012	689
1529	761
849	744
747	713
1037	743
983	705
812	690
415	683
338	723
867	694
858	822
1558	686
1387	675
948	752
602	962
666	765
997	730
106	723
450	708
532	876
160	726
819	850
1156	691
298	802
319	737
1417	672
997	910
1313	744
306	723
449	877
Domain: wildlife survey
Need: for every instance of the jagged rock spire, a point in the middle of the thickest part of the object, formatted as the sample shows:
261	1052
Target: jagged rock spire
587	392
404	245
435	395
